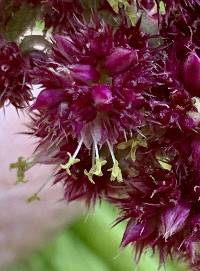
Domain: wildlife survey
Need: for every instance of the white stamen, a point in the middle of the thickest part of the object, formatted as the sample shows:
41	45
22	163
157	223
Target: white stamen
111	151
78	148
93	155
125	137
96	148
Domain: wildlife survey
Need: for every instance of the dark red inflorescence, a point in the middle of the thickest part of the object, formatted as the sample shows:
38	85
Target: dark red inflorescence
119	116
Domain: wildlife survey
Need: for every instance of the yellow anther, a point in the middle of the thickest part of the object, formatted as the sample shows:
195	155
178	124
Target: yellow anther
89	174
98	165
164	161
70	163
116	173
32	198
133	144
21	166
96	169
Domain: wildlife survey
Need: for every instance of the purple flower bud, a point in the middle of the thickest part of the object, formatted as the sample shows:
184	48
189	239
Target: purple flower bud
148	4
195	221
135	232
191	74
187	123
196	153
102	97
84	73
163	116
173	219
197	191
179	97
48	98
120	60
65	45
102	44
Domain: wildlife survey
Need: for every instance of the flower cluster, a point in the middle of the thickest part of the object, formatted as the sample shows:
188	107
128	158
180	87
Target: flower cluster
119	116
87	101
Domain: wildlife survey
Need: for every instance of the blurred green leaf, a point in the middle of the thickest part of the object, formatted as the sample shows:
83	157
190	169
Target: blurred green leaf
22	19
91	244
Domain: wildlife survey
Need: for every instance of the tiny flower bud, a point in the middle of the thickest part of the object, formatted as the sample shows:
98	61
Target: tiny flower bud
48	98
135	232
120	60
191	74
84	73
196	154
173	219
148	4
101	44
102	97
64	45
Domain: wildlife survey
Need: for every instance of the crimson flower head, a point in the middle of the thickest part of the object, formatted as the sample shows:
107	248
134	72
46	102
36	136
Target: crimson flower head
89	95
